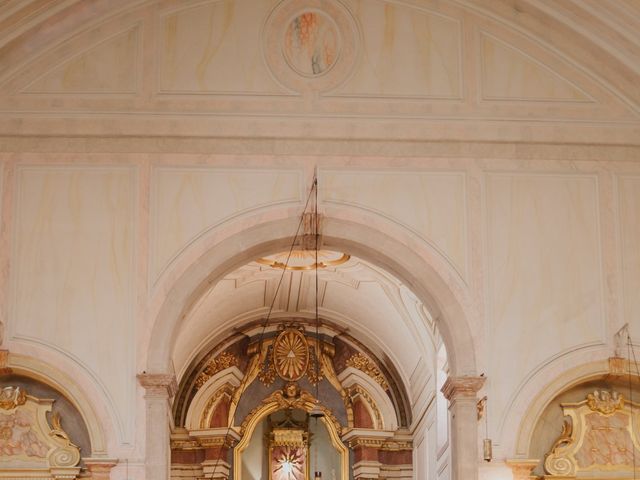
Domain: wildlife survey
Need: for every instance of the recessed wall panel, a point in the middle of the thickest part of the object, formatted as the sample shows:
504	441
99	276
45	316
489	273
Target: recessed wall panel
188	201
544	270
73	276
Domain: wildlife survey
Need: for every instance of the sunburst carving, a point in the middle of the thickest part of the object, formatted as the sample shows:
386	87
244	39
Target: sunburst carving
291	355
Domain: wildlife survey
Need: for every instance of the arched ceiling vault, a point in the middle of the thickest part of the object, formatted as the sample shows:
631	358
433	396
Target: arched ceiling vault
368	303
514	70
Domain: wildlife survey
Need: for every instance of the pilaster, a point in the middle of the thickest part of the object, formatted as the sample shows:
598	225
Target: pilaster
462	395
160	388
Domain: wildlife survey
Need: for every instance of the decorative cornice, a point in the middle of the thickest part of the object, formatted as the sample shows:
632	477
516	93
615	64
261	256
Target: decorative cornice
366	437
158	384
462	387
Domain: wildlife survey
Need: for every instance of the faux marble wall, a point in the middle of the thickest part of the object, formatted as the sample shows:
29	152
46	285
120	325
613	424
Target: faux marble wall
504	150
186	202
432	204
208	47
629	205
406	51
72	273
544	275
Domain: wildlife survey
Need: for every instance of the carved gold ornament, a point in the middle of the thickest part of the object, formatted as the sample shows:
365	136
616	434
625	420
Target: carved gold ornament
291	355
315	372
291	397
267	373
364	364
221	362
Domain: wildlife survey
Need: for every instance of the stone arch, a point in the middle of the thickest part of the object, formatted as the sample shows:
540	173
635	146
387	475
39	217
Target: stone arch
47	374
367	235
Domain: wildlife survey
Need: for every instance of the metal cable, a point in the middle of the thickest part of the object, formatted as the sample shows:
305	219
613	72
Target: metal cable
243	382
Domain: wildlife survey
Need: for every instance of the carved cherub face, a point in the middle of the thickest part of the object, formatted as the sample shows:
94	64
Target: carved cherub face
291	390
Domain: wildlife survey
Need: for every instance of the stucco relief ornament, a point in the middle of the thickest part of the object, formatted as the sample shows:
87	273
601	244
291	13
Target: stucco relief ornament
311	45
605	402
12	397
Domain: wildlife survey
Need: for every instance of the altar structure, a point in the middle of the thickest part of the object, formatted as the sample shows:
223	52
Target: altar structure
467	172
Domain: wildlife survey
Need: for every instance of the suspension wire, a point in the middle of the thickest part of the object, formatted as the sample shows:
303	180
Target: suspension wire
243	382
318	351
631	352
486	418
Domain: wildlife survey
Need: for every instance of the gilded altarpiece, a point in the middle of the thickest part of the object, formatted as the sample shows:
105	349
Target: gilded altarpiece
288	452
599	441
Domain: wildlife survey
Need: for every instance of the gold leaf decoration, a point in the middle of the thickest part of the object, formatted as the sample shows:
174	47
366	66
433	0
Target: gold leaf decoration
221	362
315	373
267	373
291	354
363	363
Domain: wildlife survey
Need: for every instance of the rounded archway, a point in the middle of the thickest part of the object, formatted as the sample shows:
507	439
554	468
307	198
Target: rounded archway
389	247
378	241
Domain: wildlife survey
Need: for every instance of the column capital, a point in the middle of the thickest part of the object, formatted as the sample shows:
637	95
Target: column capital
158	384
100	468
462	387
522	468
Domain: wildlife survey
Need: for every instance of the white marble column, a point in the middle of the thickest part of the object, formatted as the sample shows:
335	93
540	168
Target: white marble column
159	390
462	395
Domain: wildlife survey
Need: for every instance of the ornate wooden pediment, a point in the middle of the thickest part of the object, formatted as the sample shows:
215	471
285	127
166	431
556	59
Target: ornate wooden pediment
598	441
29	446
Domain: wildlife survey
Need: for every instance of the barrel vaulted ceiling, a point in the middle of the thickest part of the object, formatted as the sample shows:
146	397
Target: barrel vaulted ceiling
504	70
366	302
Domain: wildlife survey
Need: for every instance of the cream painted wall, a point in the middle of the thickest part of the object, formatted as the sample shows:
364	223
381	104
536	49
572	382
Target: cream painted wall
73	282
186	202
629	205
432	204
136	135
74	230
545	279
